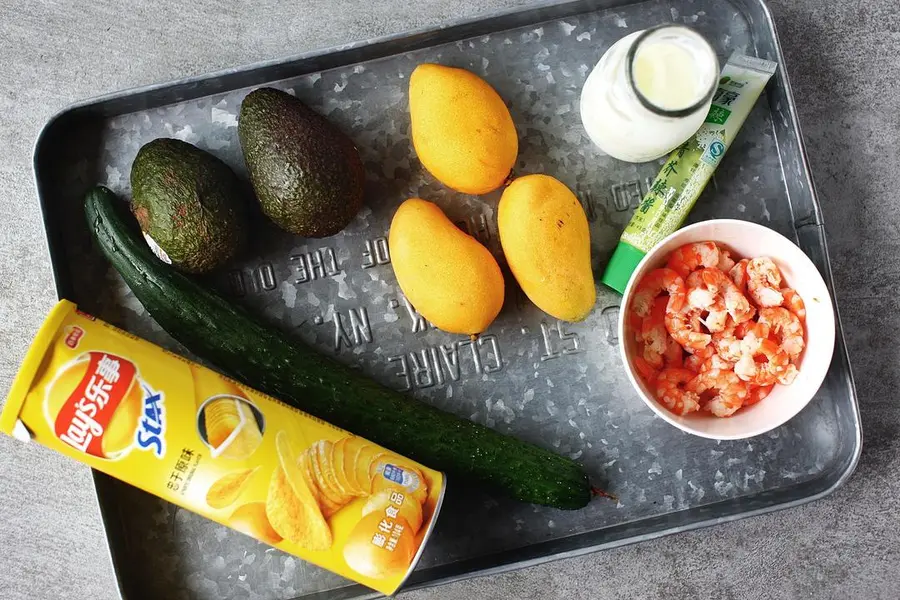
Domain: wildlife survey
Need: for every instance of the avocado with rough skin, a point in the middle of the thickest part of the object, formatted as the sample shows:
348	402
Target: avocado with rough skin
189	205
307	174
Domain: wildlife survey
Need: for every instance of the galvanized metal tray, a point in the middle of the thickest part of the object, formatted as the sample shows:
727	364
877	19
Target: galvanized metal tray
556	384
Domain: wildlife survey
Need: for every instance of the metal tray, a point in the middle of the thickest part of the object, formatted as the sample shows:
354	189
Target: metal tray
558	385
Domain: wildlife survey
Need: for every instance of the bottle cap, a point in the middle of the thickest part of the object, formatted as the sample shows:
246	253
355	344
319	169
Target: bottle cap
621	265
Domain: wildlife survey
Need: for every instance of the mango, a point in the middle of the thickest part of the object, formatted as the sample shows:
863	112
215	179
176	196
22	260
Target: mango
545	237
450	278
461	129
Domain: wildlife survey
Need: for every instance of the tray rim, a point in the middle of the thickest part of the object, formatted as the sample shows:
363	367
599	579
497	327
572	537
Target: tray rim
62	283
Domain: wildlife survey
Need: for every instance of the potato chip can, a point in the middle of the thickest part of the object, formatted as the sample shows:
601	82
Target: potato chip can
202	441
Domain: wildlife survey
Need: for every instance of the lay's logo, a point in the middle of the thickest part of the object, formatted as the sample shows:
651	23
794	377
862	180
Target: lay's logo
109	409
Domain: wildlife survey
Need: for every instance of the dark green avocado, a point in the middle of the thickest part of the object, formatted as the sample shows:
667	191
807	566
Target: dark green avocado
307	174
189	205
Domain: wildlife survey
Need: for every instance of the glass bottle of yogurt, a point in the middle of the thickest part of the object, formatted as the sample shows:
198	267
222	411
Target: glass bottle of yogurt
649	93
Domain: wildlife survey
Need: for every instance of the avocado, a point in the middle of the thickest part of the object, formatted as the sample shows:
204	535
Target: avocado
189	205
307	174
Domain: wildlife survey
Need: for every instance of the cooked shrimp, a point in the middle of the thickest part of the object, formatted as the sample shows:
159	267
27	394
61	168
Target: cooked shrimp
653	327
716	362
738	274
762	361
671	392
717	317
726	263
695	361
674	355
794	303
697	294
786	327
789	374
763	281
685	328
728	341
652	358
704	298
727	344
655	283
757	394
736	303
731	391
698	364
645	371
690	257
634	323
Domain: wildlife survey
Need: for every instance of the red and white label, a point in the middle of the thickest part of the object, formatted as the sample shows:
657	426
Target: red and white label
85	415
74	336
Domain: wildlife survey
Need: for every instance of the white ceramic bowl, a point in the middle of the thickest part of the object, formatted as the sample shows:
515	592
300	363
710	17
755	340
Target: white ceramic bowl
747	240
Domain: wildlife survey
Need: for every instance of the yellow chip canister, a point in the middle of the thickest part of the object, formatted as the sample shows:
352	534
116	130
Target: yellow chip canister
202	441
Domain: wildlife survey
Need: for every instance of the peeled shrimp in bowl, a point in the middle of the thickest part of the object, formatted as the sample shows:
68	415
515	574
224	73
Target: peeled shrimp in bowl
805	299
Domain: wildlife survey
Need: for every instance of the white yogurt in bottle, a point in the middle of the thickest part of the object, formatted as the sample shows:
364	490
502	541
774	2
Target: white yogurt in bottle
649	93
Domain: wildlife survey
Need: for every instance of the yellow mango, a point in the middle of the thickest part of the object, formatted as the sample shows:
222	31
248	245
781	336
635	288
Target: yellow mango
450	279
461	129
545	237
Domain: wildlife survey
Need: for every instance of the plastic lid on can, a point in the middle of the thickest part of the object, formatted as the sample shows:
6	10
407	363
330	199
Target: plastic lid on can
621	265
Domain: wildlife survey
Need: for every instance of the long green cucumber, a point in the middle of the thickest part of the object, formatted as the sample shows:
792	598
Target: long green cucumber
271	361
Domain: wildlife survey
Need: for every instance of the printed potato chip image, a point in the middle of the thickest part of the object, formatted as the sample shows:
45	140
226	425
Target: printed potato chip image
226	490
232	430
386	502
370	469
291	506
338	472
321	455
352	448
327	506
251	519
338	463
227	421
367	454
380	546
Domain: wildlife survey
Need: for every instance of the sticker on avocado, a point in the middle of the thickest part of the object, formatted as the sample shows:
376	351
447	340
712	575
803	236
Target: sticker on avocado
159	252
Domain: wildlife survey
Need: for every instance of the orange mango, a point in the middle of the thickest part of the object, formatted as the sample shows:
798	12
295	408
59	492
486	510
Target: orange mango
450	278
461	129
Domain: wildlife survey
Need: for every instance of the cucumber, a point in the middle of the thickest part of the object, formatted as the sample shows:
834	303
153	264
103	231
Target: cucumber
271	361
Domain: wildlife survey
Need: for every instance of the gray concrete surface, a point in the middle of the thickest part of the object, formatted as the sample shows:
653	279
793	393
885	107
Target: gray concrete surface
844	58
